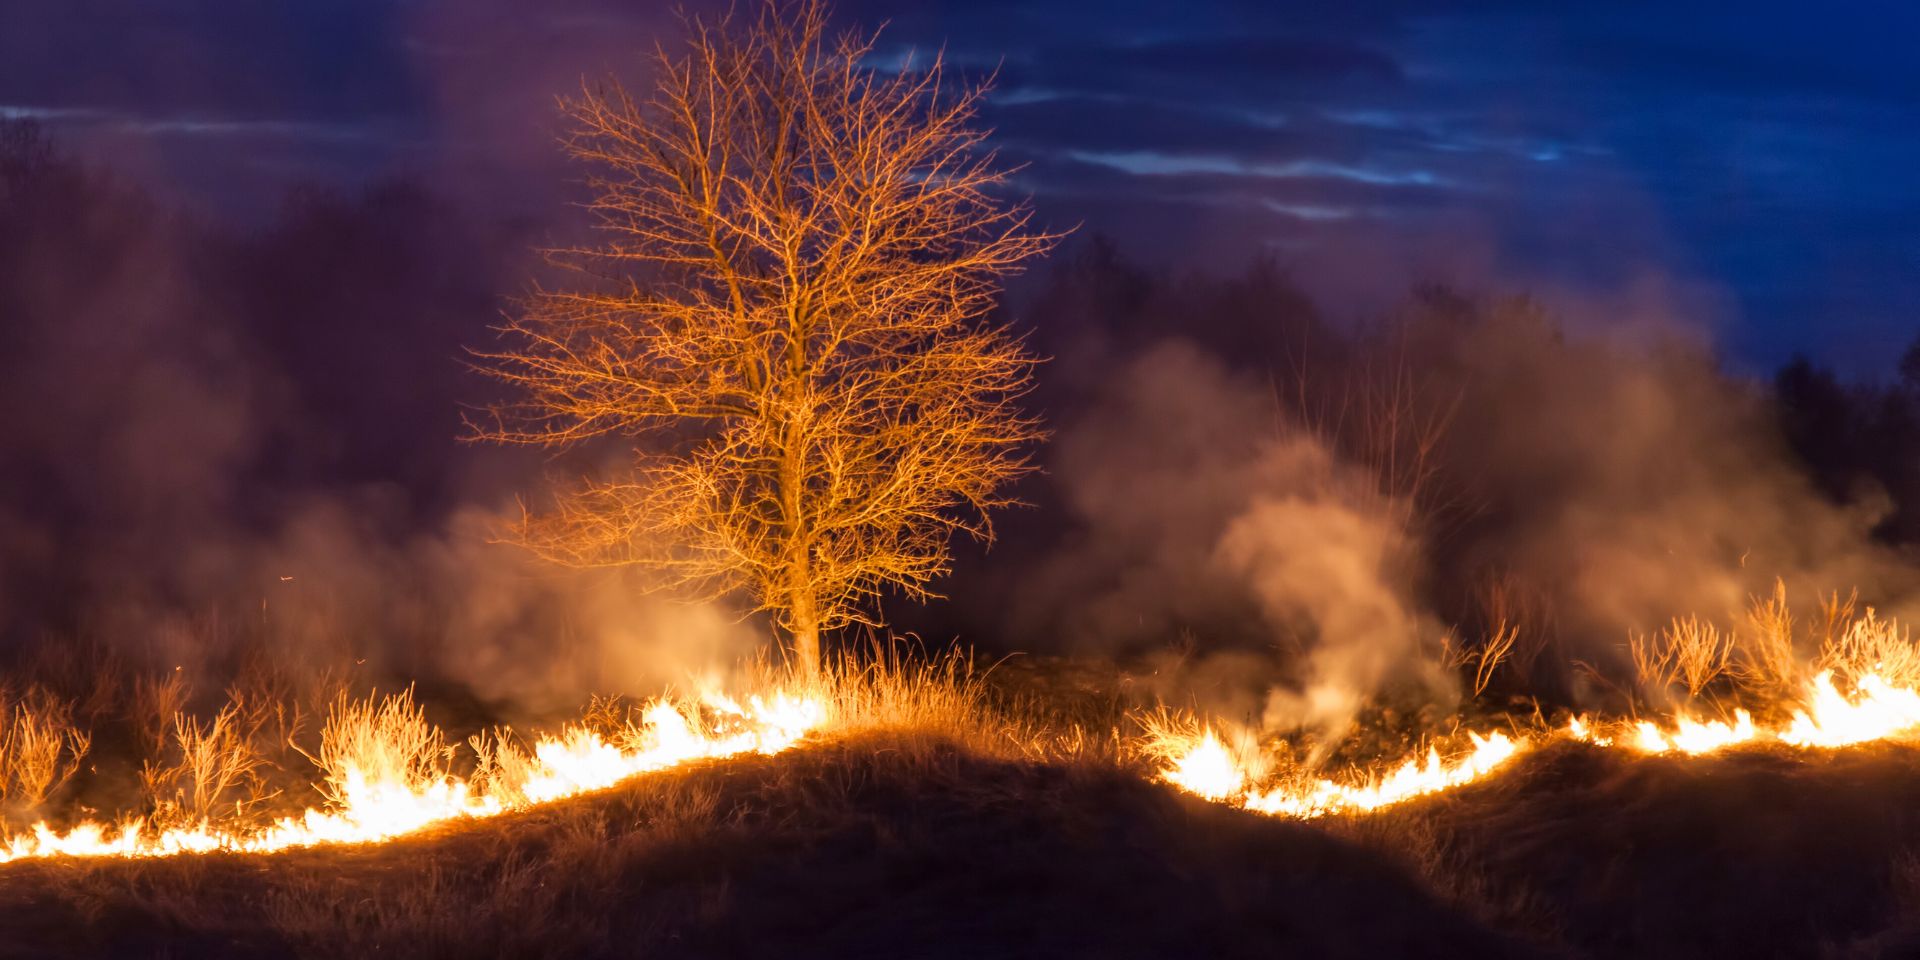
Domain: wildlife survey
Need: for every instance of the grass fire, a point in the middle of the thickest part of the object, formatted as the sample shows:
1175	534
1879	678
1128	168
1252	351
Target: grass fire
1075	482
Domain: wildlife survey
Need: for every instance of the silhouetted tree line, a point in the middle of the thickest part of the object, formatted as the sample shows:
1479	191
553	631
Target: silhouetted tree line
1859	441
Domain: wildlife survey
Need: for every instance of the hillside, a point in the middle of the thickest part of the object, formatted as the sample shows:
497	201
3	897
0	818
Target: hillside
894	846
880	848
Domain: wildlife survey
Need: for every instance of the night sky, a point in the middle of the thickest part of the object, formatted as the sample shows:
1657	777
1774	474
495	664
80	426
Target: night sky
1749	168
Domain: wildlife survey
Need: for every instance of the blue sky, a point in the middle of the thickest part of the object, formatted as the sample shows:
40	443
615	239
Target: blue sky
1750	168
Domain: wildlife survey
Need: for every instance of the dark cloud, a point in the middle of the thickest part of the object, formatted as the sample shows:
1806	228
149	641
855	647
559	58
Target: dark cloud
343	60
1764	148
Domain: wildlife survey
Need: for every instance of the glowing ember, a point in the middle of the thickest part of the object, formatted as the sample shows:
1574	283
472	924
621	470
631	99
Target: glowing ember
375	804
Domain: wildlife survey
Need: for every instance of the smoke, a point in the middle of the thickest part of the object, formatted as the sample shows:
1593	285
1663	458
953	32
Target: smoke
1286	517
1621	475
1321	569
1290	541
1207	512
223	443
454	605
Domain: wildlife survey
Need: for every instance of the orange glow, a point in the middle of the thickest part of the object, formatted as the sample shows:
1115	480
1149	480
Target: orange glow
376	804
1824	717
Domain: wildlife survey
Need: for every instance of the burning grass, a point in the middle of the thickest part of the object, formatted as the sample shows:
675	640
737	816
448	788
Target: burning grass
876	845
1858	686
381	770
40	747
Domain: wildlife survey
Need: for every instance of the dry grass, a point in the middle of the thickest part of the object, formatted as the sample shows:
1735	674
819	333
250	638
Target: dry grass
1521	624
1167	734
1871	645
1496	650
1769	660
213	773
1691	653
1836	615
40	747
383	740
1766	658
503	907
892	690
898	688
157	699
501	767
1479	663
1425	847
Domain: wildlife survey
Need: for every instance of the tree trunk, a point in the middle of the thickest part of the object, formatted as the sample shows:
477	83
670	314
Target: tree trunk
803	621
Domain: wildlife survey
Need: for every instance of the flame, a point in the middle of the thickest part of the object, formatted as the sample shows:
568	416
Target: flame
1695	737
1411	779
1879	710
375	805
1876	709
369	803
1208	770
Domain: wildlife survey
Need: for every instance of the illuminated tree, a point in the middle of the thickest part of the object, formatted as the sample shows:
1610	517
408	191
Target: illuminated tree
788	317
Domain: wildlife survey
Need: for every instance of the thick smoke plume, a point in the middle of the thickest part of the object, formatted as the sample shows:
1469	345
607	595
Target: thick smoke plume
1209	511
1320	517
224	442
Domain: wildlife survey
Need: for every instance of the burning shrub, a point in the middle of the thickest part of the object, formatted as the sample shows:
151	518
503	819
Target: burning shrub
501	768
40	747
385	741
1767	658
1691	653
214	773
1870	645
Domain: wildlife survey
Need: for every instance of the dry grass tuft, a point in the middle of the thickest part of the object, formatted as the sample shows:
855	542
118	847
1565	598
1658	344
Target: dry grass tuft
382	740
1836	616
214	773
157	699
1871	645
40	747
1167	734
1690	653
1521	627
1765	655
1495	651
501	767
897	689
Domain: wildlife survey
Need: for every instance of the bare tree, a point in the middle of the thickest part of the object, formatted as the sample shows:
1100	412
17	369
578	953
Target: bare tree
790	321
